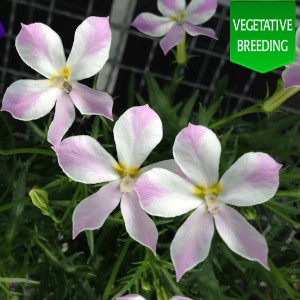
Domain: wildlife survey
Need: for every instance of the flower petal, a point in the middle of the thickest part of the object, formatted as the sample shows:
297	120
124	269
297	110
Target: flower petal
165	194
170	8
168	164
291	76
192	241
200	11
63	119
91	102
241	237
83	159
136	133
131	297
41	49
197	151
199	30
90	49
92	212
180	298
172	38
138	224
251	180
153	25
29	99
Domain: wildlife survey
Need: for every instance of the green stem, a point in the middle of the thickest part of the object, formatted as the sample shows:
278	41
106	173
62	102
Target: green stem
14	164
281	280
172	284
51	257
161	293
249	110
71	205
27	151
278	98
36	130
115	271
132	281
14	203
55	219
181	51
95	128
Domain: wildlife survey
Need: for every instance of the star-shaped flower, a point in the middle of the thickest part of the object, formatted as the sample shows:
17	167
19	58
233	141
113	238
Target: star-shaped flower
251	180
82	158
177	19
41	48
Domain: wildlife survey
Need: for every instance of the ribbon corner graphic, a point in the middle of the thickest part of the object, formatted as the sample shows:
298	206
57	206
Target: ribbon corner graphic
262	33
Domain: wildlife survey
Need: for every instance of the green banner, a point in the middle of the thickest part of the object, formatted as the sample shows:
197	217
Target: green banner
262	34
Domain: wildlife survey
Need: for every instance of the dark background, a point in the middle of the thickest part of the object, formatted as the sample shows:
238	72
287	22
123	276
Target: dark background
210	60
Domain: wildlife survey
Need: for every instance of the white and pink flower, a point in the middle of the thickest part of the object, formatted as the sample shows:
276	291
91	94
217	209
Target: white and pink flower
41	48
82	158
177	19
251	180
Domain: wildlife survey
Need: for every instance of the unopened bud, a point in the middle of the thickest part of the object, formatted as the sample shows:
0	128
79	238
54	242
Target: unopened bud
249	213
146	285
39	198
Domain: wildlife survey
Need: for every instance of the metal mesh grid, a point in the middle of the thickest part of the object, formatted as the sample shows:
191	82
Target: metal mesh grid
140	52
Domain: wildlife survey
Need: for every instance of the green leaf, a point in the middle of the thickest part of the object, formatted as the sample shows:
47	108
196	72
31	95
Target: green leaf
281	280
293	193
27	151
279	212
18	280
220	88
186	113
90	240
95	127
225	137
230	256
140	99
157	99
19	192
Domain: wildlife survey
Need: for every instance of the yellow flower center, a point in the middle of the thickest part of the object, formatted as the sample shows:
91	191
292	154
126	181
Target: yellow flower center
65	73
178	18
131	171
61	80
209	195
128	175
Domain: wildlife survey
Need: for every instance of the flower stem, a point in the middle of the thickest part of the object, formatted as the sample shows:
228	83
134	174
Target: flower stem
249	110
115	270
40	133
70	206
181	51
156	270
278	98
27	151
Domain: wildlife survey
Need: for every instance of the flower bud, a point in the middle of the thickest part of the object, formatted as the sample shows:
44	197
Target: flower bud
146	285
39	198
249	212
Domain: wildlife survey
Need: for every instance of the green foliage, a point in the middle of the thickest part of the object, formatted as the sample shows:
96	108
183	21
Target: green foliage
39	258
